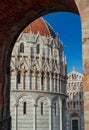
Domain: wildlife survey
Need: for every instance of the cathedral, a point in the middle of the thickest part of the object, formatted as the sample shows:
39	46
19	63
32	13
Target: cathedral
75	101
38	79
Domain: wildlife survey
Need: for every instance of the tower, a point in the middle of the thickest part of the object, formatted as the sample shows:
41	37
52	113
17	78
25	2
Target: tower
75	101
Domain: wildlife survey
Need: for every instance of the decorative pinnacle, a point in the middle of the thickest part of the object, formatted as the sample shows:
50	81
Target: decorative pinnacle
73	68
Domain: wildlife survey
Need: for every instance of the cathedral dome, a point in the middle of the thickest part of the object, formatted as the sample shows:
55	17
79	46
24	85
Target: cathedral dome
41	26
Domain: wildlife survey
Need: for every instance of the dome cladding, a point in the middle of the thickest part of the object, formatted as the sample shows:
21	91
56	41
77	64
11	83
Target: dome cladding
40	25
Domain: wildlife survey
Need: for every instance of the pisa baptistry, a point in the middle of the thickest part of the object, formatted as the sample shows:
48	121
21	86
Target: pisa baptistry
38	79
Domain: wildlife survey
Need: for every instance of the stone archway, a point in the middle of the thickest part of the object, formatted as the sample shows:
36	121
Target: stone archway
14	16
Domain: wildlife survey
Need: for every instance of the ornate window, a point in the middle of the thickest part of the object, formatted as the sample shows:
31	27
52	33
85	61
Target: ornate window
42	79
21	48
18	77
32	50
38	49
24	108
73	76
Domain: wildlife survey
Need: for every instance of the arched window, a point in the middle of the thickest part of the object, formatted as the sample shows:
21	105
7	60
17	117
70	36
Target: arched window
42	108
18	77
24	108
68	105
38	49
74	105
22	48
74	96
55	108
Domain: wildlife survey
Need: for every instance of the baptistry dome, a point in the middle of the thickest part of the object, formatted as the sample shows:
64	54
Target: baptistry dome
41	26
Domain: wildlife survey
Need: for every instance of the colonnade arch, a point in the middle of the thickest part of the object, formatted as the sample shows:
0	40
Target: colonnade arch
14	17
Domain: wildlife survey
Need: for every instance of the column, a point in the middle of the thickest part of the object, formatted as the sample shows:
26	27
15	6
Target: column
75	105
40	59
50	53
78	101
38	81
69	105
72	105
34	81
45	86
54	83
15	80
78	96
50	82
60	86
16	117
14	84
40	75
50	117
29	74
28	81
34	120
60	102
78	105
22	81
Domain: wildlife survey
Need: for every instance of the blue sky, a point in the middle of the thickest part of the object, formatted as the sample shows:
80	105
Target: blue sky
68	27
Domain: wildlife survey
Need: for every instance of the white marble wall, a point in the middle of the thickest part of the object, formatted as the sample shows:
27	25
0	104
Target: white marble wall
40	82
75	102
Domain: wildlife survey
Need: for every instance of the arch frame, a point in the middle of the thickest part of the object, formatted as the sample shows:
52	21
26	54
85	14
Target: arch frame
17	18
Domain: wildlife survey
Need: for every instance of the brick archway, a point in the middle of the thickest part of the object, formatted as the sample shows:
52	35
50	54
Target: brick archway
14	16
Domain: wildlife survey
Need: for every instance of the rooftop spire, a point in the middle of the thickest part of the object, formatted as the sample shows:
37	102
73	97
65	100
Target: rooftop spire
73	68
65	60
